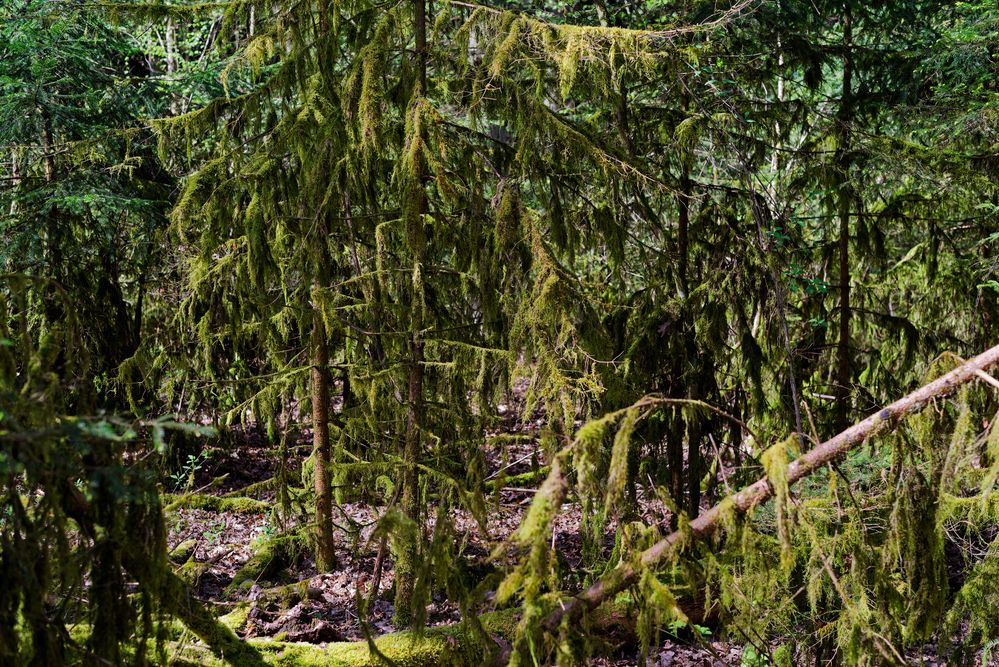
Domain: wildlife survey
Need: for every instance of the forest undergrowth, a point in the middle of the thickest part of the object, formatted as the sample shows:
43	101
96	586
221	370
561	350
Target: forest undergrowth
418	332
287	600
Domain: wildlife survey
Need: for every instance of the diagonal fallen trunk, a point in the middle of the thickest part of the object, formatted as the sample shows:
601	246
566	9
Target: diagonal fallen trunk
627	574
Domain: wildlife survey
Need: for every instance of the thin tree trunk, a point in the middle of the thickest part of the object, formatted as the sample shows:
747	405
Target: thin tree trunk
844	194
626	574
674	456
420	25
406	559
688	331
52	218
683	223
407	554
170	42
325	555
15	177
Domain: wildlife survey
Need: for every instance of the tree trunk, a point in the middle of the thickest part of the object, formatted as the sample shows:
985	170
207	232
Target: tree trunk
420	26
52	247
170	42
688	331
15	178
627	574
325	555
674	458
844	194
408	554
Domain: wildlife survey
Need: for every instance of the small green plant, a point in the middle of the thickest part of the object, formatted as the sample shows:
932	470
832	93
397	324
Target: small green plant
264	533
987	650
677	625
753	658
214	532
183	479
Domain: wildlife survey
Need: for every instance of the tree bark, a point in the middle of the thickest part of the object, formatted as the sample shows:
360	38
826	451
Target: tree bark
626	574
170	48
408	553
844	194
325	555
52	247
420	26
688	329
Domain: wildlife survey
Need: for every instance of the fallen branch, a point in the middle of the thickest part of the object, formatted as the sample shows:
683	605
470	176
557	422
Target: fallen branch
626	575
457	644
198	501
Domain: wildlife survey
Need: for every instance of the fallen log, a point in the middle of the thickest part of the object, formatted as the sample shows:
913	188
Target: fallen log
200	501
627	574
456	645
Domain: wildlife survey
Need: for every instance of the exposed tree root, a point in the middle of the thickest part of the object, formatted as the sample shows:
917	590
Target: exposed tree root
183	551
522	479
455	645
287	595
255	487
177	599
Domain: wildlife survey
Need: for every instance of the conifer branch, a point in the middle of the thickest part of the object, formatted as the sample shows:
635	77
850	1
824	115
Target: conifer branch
737	10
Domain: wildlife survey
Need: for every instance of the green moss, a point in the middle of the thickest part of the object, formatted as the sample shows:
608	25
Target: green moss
783	656
976	510
272	557
236	619
286	596
523	479
183	551
198	501
452	645
192	571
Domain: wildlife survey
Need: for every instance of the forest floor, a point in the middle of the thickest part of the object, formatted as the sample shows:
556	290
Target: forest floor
219	542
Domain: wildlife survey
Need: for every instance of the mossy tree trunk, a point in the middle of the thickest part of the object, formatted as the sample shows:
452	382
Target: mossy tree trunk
688	332
407	554
325	555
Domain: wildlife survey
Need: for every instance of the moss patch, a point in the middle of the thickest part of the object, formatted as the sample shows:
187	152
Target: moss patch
272	557
183	551
192	571
453	645
198	501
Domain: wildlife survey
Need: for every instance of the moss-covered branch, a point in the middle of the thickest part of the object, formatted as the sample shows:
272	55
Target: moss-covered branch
272	557
627	574
197	501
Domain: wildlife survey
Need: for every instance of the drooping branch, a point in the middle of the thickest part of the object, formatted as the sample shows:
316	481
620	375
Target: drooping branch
627	574
173	593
